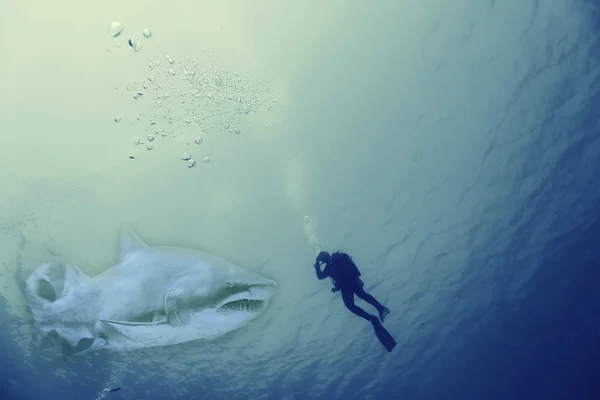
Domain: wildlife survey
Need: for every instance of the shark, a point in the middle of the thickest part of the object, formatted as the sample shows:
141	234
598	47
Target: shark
154	296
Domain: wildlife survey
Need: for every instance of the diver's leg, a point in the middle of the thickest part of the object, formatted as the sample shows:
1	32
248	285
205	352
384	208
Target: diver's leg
383	311
348	297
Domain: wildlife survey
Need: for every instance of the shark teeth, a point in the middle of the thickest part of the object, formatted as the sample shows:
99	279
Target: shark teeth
244	305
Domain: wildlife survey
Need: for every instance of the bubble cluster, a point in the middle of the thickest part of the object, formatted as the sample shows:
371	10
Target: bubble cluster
193	100
116	29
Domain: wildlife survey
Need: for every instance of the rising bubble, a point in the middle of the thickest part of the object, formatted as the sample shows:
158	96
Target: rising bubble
135	44
115	29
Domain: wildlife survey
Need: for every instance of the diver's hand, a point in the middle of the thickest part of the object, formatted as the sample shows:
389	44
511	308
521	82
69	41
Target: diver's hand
323	256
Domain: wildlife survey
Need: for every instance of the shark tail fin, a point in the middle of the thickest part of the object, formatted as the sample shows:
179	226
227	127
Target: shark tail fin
49	292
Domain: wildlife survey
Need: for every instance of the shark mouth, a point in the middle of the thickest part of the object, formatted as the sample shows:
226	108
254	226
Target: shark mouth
247	305
252	300
179	309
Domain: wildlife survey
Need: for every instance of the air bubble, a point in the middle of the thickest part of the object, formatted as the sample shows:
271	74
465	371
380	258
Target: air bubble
135	44
150	146
146	32
150	137
115	29
186	156
206	159
198	140
117	119
191	163
136	141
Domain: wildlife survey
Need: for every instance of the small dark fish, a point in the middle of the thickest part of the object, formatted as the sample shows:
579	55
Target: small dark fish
132	157
115	389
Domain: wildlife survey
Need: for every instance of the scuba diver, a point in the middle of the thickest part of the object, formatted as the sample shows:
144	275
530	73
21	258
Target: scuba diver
346	278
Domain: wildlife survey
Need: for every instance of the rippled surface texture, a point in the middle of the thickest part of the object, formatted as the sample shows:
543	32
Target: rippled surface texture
450	147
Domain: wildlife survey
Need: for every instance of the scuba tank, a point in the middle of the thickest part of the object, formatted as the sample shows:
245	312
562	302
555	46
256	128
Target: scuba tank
344	269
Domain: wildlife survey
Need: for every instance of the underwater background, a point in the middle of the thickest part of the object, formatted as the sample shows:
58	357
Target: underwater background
451	147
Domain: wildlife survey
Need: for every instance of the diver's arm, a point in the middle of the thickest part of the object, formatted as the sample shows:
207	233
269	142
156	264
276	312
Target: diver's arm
321	274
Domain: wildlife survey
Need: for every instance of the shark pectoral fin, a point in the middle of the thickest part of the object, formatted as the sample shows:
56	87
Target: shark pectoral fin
111	322
140	331
98	343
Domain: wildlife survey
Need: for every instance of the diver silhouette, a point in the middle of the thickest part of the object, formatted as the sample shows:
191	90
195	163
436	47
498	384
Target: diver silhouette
346	278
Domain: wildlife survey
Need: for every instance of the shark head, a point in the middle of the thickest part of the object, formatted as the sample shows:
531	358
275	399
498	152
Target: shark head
156	296
188	294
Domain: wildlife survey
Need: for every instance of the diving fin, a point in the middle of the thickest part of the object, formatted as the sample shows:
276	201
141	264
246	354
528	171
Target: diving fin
383	335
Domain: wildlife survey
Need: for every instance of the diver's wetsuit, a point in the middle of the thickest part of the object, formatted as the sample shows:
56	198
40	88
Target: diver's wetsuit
346	277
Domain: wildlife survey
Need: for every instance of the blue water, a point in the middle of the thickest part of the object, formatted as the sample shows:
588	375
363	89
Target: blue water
476	174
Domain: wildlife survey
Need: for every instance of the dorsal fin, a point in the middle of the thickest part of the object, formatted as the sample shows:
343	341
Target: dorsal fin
130	243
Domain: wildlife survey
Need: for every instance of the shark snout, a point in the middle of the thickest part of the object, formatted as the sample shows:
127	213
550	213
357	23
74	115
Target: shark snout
269	282
249	278
268	288
264	287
